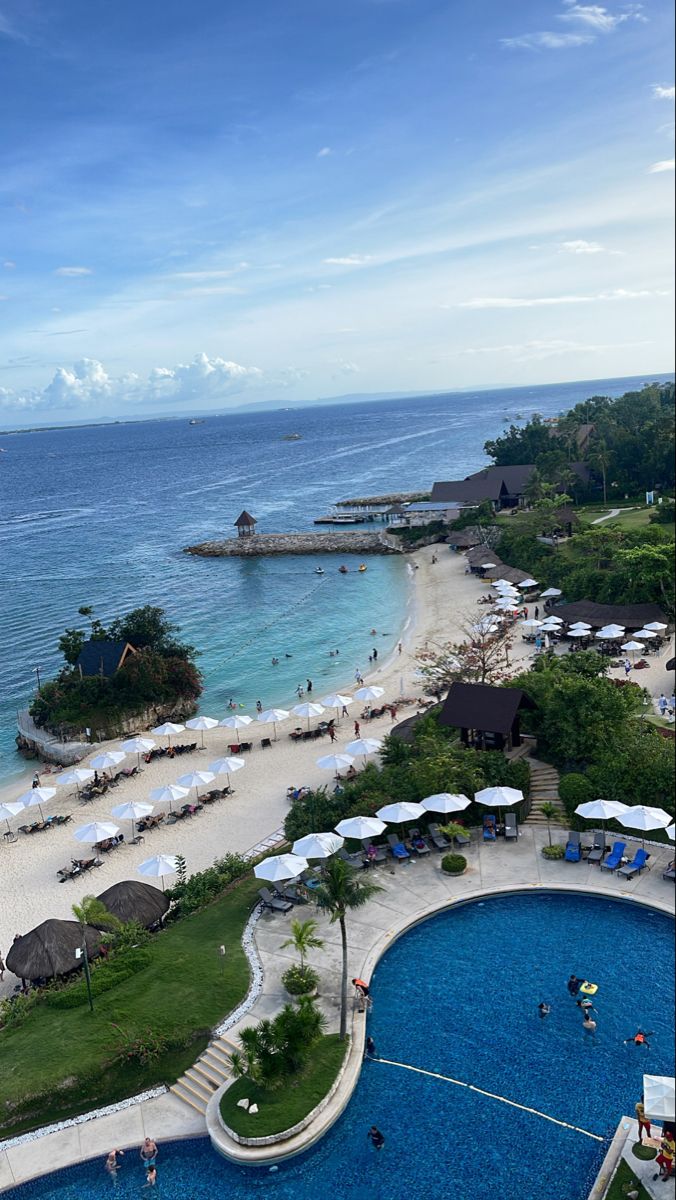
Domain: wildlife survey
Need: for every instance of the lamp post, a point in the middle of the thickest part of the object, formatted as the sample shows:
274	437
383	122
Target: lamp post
82	953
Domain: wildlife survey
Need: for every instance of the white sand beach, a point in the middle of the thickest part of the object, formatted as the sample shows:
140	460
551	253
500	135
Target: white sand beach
444	597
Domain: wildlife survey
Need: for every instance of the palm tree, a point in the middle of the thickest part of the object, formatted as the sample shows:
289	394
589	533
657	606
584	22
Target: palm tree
549	811
303	938
340	890
453	830
91	911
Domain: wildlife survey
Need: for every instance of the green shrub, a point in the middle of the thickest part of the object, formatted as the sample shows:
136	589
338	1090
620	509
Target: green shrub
574	789
13	1012
298	980
556	851
104	976
453	864
204	886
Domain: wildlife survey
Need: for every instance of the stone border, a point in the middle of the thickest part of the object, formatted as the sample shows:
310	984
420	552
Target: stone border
70	1122
256	985
610	1163
297	1143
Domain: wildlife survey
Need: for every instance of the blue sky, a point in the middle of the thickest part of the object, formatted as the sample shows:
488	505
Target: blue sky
220	202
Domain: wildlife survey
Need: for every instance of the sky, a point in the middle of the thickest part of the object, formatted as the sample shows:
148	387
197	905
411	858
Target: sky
223	202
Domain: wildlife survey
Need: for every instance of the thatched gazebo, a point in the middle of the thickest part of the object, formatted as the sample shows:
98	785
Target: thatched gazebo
49	950
132	900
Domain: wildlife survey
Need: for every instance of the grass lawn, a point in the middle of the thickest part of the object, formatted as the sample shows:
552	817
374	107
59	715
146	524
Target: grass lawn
628	518
285	1106
623	1181
56	1064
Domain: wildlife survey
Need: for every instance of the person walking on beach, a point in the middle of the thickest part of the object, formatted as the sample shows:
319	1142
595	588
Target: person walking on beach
357	729
344	712
332	734
627	666
662	705
399	648
536	612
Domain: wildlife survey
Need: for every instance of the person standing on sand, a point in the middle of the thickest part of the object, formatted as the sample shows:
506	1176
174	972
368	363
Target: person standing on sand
399	648
344	712
2	968
332	734
357	729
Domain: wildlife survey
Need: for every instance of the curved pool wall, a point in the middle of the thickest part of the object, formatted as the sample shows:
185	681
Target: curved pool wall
495	958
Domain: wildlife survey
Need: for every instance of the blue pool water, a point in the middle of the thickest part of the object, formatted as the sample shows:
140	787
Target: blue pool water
458	996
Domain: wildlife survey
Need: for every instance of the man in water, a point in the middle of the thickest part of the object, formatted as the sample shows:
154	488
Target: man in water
308	686
112	1164
376	1138
544	1009
589	1026
574	984
370	1051
639	1038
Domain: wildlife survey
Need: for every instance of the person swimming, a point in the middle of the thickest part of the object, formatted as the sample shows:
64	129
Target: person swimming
544	1009
639	1038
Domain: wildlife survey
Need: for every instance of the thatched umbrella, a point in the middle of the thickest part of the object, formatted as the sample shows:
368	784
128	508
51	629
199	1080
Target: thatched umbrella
132	900
49	950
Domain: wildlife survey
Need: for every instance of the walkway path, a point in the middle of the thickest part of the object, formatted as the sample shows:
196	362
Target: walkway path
544	788
614	512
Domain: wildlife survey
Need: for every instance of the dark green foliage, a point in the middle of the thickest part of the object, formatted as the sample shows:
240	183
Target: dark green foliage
575	789
298	980
663	514
635	766
556	851
275	1049
282	1109
418	533
204	886
482	515
453	864
104	976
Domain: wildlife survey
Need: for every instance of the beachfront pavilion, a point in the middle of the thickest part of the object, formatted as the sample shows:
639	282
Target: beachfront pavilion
245	524
487	717
103	657
504	487
629	616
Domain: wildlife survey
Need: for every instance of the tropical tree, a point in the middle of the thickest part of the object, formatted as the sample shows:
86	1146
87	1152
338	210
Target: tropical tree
341	890
453	830
549	811
482	658
91	911
304	938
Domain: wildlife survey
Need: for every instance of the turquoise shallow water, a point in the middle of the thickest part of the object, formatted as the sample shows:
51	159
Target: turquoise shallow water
99	516
458	996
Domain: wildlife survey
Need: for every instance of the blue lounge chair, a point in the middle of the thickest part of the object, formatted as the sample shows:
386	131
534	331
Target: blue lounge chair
490	827
398	848
615	857
573	849
637	864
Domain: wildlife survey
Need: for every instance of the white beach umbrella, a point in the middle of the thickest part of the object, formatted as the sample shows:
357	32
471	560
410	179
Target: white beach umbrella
400	813
659	1100
318	845
633	646
646	634
96	831
601	810
503	583
338	701
138	746
201	723
334	762
481	628
196	780
360	827
308	709
367	694
530	626
644	818
236	722
498	797
109	758
578	633
580	625
488	566
528	583
77	776
168	793
364	746
131	811
445	802
271	716
508	593
168	730
671	831
36	797
550	593
280	867
159	866
227	766
655	626
552	620
611	633
8	810
507	605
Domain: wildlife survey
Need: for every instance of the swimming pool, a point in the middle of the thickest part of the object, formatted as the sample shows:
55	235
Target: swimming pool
458	996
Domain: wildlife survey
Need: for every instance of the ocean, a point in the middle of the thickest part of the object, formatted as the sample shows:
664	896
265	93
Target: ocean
99	516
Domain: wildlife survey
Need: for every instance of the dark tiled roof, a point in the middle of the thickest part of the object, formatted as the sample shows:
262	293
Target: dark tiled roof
101	657
494	482
245	518
480	706
631	616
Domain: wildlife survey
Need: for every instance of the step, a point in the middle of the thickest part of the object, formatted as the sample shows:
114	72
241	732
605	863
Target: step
195	1084
201	1068
219	1052
178	1091
217	1066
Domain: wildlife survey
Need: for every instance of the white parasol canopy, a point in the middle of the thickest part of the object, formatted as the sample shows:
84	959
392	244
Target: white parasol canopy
159	866
400	813
655	626
334	762
110	758
369	693
36	797
530	626
600	810
576	633
528	583
318	845
201	723
488	566
138	745
96	831
551	619
580	625
658	1097
271	716
168	794
364	746
610	633
503	583
196	780
8	810
360	827
643	817
507	605
131	811
77	776
633	646
646	634
498	797
226	766
445	802
237	722
280	866
308	709
550	593
168	729
671	831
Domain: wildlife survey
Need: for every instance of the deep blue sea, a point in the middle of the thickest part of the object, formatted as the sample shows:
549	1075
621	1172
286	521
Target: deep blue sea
99	516
457	996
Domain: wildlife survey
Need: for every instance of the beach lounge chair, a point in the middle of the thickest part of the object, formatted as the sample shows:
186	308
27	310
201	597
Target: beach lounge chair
573	848
490	827
417	843
398	848
670	872
598	849
636	865
511	829
353	860
287	891
273	902
380	855
438	839
462	839
266	743
615	857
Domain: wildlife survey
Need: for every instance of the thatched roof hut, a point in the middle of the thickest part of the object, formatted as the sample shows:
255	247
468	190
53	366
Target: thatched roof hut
49	950
132	900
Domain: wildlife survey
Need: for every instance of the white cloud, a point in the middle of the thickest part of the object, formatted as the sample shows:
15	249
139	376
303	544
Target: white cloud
546	40
657	168
349	260
324	152
9	265
664	93
547	301
598	17
87	384
541	348
73	272
579	246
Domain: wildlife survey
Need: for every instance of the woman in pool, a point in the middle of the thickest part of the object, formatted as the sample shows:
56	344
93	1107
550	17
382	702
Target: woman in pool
151	1177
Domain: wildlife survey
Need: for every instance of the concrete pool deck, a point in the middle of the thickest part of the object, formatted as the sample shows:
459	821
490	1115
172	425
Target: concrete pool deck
411	893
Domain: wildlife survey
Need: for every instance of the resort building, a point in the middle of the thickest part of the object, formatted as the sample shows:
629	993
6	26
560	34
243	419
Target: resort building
487	717
504	487
103	657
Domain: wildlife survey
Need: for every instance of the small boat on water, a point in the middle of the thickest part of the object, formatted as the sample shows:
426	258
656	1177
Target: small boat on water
363	567
196	421
343	570
292	437
319	570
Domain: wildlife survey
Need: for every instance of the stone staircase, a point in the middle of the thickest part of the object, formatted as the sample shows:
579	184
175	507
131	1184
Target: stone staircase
544	786
210	1072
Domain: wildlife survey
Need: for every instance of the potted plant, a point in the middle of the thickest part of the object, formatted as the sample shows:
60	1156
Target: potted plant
555	851
454	864
300	979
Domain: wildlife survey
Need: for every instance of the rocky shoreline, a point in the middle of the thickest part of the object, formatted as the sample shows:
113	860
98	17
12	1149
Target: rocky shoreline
364	542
